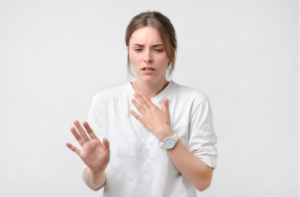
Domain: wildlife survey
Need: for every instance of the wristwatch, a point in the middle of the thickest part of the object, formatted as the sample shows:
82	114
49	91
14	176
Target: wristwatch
169	142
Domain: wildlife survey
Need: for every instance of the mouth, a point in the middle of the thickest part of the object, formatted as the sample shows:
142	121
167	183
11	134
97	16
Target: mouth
148	71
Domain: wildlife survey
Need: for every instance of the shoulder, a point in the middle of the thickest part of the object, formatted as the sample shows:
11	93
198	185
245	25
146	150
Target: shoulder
110	93
195	95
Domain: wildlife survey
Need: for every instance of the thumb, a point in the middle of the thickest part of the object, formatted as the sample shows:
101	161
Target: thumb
106	143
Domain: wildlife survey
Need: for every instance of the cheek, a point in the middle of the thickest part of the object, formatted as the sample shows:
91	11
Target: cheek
163	58
134	57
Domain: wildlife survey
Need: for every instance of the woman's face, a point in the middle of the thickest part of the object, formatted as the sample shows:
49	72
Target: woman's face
146	50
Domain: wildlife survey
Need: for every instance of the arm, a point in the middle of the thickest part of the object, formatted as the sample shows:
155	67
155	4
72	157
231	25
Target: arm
197	161
201	152
190	166
94	180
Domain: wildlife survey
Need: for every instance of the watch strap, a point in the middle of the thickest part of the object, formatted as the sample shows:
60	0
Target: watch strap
175	137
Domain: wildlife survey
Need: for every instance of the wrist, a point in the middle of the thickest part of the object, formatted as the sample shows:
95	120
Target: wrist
167	132
95	179
169	142
99	171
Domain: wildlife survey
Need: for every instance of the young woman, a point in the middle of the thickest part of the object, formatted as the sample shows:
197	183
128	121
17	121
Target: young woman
161	134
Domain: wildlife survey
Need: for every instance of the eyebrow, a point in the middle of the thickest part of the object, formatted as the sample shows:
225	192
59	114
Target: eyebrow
155	45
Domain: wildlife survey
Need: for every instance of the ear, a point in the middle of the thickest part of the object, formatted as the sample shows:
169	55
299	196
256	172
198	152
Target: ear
127	48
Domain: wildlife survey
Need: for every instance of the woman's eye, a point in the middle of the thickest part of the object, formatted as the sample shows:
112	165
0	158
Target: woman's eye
157	50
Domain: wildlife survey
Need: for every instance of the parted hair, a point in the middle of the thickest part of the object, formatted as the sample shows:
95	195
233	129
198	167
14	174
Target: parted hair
166	31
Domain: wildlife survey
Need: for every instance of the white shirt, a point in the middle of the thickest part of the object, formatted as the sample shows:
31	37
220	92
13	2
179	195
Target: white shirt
138	165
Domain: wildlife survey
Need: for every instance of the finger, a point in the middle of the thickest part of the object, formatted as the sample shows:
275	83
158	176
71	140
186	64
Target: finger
165	106
136	116
77	137
138	107
89	130
146	100
81	131
141	101
73	148
166	109
106	143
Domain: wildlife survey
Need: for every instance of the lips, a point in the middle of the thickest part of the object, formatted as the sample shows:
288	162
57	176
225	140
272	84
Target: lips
148	71
148	68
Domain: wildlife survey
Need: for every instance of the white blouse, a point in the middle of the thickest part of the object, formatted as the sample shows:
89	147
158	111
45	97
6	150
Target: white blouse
138	164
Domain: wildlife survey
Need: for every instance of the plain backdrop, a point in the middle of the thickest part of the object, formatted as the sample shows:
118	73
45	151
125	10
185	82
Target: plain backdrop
56	55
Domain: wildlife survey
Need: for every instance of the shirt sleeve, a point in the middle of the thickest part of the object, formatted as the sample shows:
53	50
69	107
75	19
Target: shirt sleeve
95	116
202	137
95	119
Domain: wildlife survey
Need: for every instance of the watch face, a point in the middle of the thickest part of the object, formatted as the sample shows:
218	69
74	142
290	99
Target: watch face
169	143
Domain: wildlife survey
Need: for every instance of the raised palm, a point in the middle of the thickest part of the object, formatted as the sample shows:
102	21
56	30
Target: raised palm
94	154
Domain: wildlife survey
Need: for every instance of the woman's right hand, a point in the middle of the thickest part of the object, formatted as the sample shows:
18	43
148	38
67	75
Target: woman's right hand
94	154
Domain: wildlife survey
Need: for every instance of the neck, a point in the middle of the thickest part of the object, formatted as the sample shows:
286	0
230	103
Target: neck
149	89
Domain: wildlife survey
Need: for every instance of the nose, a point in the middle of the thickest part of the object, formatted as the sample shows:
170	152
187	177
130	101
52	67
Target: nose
148	57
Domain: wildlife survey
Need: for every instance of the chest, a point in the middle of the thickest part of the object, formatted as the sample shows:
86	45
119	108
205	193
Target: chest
120	125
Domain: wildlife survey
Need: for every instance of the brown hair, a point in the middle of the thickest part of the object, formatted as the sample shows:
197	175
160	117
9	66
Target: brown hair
165	29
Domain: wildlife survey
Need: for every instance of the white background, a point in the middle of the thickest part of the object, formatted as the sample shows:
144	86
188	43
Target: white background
55	55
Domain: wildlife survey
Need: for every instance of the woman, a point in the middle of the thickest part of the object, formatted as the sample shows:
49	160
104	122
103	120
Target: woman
161	134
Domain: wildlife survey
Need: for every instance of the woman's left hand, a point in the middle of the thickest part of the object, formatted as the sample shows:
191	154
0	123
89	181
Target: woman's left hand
154	119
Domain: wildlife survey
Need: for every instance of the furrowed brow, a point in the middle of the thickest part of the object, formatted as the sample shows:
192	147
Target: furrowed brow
155	45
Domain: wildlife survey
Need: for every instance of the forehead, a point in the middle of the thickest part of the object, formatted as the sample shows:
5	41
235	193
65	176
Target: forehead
145	35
